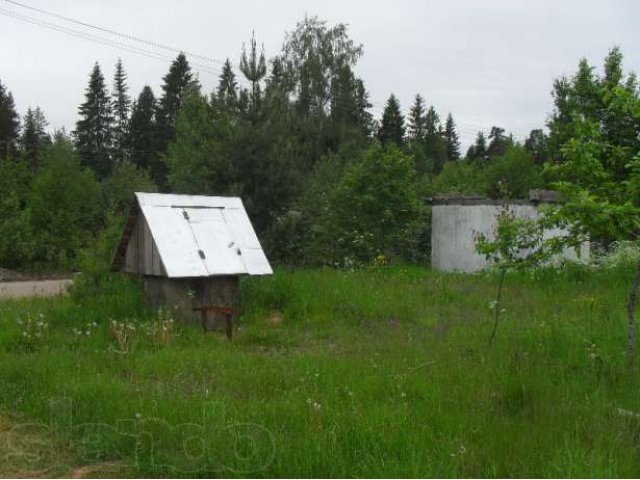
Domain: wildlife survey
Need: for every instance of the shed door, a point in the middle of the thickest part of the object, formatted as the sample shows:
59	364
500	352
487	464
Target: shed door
214	241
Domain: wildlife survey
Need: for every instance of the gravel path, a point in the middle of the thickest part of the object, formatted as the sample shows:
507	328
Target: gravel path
34	288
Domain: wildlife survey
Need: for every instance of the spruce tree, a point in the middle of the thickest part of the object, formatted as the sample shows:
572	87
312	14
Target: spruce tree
392	125
477	153
451	140
174	88
9	123
227	91
432	122
365	119
435	148
142	132
34	137
94	131
417	120
121	105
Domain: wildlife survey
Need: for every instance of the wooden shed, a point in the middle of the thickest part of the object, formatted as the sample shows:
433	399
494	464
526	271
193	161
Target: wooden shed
190	251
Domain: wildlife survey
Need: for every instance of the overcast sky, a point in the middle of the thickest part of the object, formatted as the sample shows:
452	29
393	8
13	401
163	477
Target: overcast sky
488	62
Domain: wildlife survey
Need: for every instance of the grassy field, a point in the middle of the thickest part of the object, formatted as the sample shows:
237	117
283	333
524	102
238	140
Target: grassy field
378	372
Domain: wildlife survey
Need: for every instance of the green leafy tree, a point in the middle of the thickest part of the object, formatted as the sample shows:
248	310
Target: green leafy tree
517	244
313	56
460	177
499	142
121	107
392	124
16	235
313	86
142	134
598	168
64	205
34	137
94	129
513	174
451	140
9	123
118	189
372	205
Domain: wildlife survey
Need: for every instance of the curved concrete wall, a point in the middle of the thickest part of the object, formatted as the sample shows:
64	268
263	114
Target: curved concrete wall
454	227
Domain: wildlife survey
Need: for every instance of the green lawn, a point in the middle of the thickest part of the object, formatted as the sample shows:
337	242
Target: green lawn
379	372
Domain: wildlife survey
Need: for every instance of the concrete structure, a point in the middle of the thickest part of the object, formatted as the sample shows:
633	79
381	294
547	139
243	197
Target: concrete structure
190	251
456	220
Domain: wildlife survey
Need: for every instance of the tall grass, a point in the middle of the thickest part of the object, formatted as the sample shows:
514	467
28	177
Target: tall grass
378	372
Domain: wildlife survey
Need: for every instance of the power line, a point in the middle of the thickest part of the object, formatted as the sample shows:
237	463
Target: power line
100	40
463	127
134	38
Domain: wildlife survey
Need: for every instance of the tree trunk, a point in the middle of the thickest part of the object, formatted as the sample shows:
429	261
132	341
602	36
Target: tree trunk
631	316
496	316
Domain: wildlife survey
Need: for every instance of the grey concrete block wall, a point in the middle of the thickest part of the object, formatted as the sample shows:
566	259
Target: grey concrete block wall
454	227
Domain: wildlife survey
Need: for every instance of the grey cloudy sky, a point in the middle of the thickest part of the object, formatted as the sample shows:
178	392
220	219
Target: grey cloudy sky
488	62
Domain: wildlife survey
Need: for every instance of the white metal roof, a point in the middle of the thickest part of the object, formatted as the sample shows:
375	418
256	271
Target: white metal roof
201	236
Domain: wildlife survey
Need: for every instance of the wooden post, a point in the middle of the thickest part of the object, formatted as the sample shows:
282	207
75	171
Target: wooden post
228	313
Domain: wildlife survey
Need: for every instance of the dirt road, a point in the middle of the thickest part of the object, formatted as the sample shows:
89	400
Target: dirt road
34	288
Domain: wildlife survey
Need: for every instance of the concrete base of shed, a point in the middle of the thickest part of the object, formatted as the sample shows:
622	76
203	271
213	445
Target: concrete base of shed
183	295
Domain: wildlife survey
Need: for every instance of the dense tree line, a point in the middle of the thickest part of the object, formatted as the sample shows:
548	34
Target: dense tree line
323	181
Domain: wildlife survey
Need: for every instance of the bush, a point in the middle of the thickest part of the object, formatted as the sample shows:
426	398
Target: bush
64	205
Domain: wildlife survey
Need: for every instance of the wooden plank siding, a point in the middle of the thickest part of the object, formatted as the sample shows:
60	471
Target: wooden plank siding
142	255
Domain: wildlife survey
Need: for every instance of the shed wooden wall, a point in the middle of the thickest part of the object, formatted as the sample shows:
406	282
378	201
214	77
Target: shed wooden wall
142	253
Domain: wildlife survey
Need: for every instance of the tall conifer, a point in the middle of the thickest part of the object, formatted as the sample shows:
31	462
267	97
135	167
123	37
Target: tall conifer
174	87
34	137
142	132
416	130
94	130
9	123
392	125
451	139
121	104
